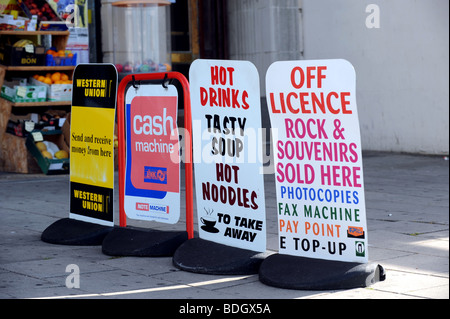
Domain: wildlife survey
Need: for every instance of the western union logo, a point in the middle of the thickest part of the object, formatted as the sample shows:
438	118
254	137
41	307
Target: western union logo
93	87
91	201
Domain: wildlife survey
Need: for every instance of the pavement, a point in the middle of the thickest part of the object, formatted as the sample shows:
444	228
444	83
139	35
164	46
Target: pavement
407	202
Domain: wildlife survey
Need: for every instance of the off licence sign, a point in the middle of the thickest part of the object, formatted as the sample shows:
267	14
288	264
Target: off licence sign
319	173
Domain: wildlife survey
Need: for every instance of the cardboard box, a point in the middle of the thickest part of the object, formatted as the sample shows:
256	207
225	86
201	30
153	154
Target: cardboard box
32	24
6	6
53	26
9	23
22	56
55	92
49	166
24	93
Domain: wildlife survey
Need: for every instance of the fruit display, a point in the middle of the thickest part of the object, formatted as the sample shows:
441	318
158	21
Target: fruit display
22	43
59	85
60	57
59	53
144	67
51	151
23	52
40	8
53	78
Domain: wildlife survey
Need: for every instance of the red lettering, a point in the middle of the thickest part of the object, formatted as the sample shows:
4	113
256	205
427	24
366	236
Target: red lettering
234	98
214	75
219	75
320	76
329	105
289	104
230	73
245	105
309	76
303	103
272	104
334	103
298	76
213	97
344	103
203	96
293	76
316	102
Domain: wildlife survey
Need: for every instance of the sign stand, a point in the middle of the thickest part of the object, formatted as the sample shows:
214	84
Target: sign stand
68	231
230	200
206	257
319	178
131	241
302	273
91	159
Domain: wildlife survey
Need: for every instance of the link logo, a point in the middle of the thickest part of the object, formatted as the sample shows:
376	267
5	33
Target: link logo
360	249
157	175
355	232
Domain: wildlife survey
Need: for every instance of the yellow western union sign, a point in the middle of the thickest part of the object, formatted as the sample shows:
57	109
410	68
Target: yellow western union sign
92	143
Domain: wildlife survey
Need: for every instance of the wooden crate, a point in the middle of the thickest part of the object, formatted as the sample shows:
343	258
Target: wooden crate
14	156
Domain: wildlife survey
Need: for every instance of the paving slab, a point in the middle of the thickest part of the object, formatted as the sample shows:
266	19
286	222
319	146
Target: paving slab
407	200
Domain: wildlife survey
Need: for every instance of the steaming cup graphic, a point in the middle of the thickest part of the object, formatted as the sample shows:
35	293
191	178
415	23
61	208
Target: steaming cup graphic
208	224
208	221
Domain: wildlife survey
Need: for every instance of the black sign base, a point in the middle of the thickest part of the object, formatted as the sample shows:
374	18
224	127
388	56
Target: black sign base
68	231
128	241
301	273
205	257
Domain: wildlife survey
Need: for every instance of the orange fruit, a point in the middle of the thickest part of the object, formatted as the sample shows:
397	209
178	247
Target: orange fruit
41	78
64	77
48	81
36	76
56	76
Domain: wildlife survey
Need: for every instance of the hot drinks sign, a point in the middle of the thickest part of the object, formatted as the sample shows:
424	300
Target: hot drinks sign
319	173
229	185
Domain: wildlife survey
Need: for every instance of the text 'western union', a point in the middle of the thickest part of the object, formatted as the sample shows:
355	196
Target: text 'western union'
91	201
93	87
